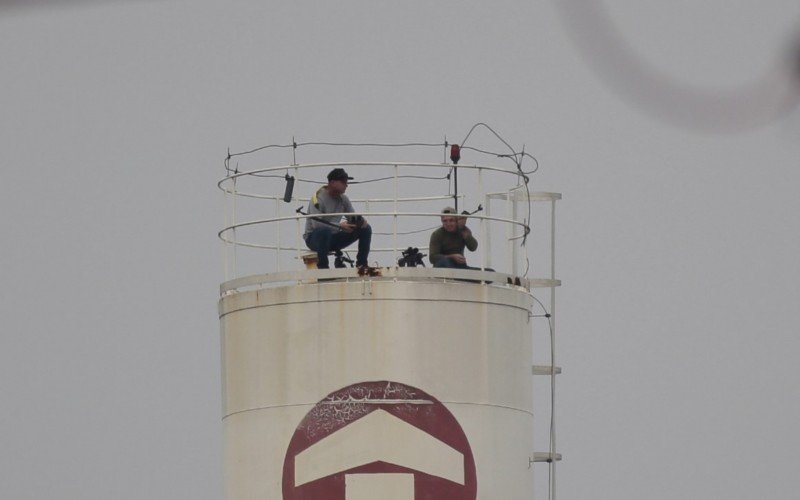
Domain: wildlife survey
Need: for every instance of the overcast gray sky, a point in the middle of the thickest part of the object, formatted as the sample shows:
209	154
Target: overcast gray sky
678	232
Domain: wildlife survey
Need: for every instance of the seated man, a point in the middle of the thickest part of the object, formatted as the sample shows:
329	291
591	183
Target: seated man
325	234
447	244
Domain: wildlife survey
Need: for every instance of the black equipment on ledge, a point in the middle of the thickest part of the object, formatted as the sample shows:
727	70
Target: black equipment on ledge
411	257
340	259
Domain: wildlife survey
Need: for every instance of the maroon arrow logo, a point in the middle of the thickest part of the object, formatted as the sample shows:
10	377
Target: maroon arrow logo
374	438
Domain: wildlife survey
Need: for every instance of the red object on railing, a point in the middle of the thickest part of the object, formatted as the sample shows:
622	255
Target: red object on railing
455	153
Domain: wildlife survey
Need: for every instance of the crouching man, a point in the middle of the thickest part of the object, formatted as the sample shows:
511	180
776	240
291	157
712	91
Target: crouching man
325	234
447	243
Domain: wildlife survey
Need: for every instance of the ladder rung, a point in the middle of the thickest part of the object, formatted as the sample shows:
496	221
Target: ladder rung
544	456
544	370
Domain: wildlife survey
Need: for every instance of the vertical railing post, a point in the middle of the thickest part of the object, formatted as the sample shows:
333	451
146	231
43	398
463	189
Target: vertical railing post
225	244
297	224
514	244
509	231
394	229
277	236
233	263
366	211
553	239
552	318
484	239
487	249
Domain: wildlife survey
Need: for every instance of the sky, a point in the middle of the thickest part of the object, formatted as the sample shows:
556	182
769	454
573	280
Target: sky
670	128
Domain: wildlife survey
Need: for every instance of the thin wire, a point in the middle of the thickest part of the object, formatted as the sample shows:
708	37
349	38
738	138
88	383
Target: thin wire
317	181
227	164
370	144
551	450
517	159
527	227
409	232
295	145
231	155
490	130
449	182
511	156
367	181
265	176
344	144
513	151
377	179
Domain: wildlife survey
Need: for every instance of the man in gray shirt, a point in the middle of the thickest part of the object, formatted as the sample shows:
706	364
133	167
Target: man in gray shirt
325	234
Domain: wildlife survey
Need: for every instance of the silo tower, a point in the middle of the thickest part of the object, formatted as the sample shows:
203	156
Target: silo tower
399	380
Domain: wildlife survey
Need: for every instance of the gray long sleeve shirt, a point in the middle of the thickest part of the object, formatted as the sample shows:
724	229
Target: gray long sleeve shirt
326	204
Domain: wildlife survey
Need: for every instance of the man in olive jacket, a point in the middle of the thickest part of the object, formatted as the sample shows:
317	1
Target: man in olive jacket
447	243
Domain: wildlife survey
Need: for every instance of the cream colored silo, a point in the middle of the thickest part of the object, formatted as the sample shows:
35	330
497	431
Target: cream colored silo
404	383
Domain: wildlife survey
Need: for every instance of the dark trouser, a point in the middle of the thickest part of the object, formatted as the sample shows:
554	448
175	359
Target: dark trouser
443	261
324	240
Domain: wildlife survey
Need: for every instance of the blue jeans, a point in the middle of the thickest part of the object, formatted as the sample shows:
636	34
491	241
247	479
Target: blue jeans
443	261
325	239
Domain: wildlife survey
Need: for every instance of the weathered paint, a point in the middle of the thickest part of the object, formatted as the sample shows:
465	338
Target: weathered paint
465	347
383	428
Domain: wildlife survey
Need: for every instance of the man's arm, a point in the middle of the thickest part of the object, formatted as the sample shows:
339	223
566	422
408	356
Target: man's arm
434	247
319	205
347	208
469	240
311	224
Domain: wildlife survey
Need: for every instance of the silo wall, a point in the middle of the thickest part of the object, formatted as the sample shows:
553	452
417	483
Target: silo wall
418	389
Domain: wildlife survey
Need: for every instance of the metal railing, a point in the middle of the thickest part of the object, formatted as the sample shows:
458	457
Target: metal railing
408	221
260	221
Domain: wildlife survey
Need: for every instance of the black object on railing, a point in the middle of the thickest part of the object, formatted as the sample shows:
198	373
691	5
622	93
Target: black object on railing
287	194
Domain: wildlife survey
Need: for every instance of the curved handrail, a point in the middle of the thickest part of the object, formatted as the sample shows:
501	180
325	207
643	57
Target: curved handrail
283	239
252	173
223	237
311	275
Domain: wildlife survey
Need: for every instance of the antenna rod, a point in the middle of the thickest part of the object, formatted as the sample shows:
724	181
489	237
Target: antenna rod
455	155
455	184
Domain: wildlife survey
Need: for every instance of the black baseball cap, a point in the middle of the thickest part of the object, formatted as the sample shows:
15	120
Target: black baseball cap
338	174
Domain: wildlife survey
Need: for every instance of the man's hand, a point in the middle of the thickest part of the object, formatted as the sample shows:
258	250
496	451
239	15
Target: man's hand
465	232
347	227
457	258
